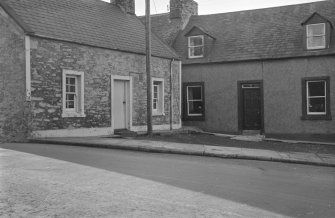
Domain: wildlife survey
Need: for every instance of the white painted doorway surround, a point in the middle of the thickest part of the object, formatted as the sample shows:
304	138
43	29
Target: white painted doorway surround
121	102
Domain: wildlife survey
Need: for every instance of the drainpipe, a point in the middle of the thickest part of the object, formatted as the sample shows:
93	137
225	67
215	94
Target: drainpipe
171	98
28	73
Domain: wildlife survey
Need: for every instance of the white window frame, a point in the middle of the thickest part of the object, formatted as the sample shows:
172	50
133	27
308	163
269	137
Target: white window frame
78	110
160	100
188	100
190	47
309	97
312	36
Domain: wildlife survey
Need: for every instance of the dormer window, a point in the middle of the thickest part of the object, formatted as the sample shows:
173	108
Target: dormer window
316	36
196	46
317	32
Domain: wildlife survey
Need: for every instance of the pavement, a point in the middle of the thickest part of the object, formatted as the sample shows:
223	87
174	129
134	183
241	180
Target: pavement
310	158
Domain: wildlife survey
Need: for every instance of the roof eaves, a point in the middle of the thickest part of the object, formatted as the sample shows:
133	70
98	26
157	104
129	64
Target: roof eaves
258	59
16	18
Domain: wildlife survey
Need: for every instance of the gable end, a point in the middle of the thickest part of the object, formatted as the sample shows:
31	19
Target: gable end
316	18
16	18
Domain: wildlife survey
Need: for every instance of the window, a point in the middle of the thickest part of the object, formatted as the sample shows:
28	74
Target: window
316	103
195	46
73	94
194	101
316	36
157	96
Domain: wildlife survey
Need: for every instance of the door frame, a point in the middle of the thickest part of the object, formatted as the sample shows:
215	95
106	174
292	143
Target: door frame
129	115
240	103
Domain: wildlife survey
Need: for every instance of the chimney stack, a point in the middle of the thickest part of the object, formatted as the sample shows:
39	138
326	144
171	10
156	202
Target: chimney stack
128	6
183	9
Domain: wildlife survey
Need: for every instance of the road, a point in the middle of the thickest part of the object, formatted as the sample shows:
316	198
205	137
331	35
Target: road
211	187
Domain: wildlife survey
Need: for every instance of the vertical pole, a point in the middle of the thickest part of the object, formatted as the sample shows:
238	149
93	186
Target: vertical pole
171	97
148	65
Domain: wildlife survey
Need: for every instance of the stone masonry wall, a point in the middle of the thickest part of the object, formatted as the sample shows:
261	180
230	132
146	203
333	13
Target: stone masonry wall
13	121
50	57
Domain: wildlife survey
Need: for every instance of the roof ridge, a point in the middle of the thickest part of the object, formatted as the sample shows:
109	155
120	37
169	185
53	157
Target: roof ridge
155	15
265	8
93	23
257	34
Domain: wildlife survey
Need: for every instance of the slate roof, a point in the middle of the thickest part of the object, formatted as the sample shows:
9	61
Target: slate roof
165	28
89	22
269	33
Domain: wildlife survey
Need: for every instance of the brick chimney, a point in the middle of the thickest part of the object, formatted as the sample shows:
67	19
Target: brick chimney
128	6
183	9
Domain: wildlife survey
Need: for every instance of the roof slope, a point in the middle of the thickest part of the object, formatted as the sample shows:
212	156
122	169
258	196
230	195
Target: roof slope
90	22
165	28
257	34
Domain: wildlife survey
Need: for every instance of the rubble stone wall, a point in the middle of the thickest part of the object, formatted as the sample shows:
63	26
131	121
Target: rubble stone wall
50	57
13	119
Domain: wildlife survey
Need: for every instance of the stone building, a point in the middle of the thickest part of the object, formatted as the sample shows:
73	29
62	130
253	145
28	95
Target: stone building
270	70
77	68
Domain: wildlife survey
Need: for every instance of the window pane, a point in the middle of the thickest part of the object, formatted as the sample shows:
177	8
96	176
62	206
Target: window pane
196	51
194	93
155	104
72	89
316	41
317	105
318	29
70	97
69	104
316	88
155	91
194	107
72	81
195	41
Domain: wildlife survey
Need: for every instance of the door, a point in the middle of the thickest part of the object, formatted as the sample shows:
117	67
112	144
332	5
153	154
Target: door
121	104
251	100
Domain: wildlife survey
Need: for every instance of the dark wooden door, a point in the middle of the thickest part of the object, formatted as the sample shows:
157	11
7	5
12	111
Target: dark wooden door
251	108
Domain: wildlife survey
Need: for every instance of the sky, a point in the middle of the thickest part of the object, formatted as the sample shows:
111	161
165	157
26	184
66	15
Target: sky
216	6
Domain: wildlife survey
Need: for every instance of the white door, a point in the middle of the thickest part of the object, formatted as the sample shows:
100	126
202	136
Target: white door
121	104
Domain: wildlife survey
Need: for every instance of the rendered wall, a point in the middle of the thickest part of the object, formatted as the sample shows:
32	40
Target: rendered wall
282	93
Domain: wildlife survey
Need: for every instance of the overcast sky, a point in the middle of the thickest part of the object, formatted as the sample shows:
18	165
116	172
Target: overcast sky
217	6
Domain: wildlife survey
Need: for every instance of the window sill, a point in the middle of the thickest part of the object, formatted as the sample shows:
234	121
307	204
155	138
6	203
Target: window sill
316	49
156	114
68	114
194	118
196	57
316	117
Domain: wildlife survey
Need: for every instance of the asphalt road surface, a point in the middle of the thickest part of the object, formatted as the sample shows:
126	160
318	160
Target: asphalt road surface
288	190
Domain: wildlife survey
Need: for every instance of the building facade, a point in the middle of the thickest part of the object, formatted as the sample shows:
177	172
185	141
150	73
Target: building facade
267	70
84	77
